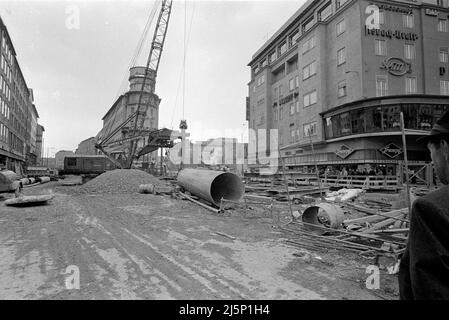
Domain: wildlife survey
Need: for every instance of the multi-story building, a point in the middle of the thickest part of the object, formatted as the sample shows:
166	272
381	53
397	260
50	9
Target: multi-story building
338	74
126	106
87	147
18	115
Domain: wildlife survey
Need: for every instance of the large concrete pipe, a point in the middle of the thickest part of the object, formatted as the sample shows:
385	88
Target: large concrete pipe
212	185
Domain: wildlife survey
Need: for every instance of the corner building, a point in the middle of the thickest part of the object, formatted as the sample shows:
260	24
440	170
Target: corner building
325	78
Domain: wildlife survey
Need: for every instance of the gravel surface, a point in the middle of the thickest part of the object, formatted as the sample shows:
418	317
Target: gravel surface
119	181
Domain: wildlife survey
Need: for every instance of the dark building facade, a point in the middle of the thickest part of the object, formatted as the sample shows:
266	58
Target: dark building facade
334	78
18	114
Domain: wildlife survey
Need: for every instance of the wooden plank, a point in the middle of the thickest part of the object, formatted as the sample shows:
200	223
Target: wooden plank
374	218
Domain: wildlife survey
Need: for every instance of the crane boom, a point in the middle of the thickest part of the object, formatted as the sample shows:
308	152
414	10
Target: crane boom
136	133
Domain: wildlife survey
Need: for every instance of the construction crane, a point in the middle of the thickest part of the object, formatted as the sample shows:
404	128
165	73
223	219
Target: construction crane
136	132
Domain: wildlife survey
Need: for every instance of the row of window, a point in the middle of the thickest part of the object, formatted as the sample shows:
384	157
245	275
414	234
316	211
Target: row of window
5	88
410	86
5	68
6	49
385	118
323	14
4	133
4	108
308	130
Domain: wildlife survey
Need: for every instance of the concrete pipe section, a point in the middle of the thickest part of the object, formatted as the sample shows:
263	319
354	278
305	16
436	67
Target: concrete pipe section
325	215
212	185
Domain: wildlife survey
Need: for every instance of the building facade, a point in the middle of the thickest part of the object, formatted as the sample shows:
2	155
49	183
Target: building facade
60	156
125	106
337	75
87	147
18	114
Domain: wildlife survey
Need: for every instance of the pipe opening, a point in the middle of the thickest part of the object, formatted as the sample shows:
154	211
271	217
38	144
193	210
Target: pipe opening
227	186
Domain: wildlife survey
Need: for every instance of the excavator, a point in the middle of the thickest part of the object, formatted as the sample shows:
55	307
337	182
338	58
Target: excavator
137	140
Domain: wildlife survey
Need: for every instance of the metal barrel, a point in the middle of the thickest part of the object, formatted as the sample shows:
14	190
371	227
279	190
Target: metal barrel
212	185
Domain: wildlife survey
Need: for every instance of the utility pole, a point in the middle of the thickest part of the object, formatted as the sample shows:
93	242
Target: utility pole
404	147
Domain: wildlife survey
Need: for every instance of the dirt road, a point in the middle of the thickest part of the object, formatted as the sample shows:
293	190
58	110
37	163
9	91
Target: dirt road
152	247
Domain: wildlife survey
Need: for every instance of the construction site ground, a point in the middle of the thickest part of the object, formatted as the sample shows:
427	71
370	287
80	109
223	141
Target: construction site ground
144	246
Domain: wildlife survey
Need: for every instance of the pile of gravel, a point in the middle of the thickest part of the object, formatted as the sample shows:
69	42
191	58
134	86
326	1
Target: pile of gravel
119	181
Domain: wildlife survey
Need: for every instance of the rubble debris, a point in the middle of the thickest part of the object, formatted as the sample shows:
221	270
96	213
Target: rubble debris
29	200
343	194
119	181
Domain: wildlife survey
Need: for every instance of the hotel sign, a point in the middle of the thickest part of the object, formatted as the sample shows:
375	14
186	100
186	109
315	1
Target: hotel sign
391	150
396	66
288	98
391	34
391	8
344	151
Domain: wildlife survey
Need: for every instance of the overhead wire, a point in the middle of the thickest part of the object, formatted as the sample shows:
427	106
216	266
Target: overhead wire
182	73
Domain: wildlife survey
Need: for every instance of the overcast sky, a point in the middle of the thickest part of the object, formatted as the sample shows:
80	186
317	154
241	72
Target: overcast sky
76	74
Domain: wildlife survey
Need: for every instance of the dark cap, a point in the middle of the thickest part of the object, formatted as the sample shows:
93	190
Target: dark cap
439	130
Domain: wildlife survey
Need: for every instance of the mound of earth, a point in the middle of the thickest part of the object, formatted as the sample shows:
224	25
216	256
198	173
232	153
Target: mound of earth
119	181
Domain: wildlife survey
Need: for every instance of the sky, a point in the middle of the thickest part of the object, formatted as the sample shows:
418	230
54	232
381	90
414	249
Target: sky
77	64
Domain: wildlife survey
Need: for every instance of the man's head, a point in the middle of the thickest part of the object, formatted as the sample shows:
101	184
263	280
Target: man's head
439	153
438	145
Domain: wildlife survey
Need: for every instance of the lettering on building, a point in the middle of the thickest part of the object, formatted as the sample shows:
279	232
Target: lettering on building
390	34
344	151
431	12
391	150
396	66
391	8
288	98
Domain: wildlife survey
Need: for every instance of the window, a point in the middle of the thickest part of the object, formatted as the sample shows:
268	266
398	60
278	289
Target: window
292	84
292	109
408	20
282	48
340	27
381	17
309	70
292	135
381	86
442	25
444	56
310	98
71	162
309	129
281	111
325	12
261	80
273	57
409	51
342	88
294	38
297	81
297	106
340	3
380	47
276	114
444	87
276	93
307	24
341	56
410	85
308	44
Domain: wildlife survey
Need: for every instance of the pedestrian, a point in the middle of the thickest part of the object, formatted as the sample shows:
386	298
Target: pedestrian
424	267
